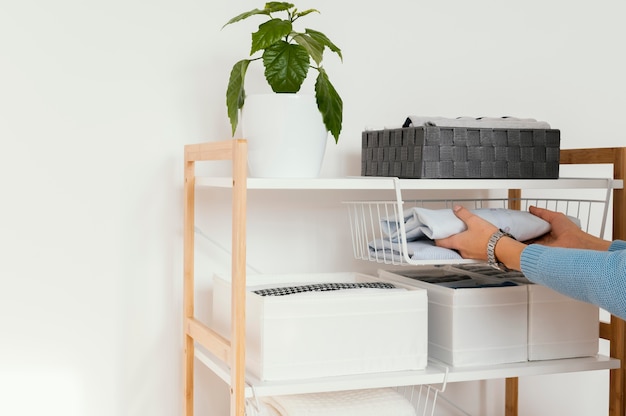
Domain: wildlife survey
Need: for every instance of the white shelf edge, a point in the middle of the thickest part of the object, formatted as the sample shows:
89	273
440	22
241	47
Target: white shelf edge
383	183
433	374
533	368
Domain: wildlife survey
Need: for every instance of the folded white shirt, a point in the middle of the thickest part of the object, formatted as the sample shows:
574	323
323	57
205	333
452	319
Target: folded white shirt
441	223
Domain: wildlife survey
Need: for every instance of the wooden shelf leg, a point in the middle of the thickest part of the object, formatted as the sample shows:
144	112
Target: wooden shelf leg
188	376
188	284
617	382
511	387
238	302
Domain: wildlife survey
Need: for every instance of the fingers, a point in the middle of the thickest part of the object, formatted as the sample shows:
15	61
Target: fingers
462	213
452	242
448	242
471	220
544	214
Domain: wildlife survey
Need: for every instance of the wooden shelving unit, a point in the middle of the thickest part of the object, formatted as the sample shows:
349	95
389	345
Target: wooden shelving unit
227	358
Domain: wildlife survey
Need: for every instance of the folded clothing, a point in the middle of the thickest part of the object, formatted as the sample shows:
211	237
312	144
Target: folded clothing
441	223
480	122
368	402
417	250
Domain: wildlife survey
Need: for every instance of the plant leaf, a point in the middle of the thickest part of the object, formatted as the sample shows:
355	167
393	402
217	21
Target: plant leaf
277	6
286	66
269	33
270	7
235	93
313	47
329	103
305	12
323	39
245	15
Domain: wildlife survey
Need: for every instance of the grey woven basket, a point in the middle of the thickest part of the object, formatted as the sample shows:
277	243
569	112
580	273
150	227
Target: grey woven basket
454	152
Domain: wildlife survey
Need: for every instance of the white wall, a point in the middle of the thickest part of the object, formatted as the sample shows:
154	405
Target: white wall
97	100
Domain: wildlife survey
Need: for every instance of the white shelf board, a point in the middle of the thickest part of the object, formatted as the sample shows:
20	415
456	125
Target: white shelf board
384	183
533	368
435	373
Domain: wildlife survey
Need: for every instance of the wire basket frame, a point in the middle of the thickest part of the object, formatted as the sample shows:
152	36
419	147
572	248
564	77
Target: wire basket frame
370	222
423	398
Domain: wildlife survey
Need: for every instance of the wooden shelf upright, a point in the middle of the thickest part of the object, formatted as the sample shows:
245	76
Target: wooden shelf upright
233	351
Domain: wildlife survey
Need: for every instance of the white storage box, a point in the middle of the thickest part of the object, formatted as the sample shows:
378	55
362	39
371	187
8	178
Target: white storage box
470	326
319	334
559	326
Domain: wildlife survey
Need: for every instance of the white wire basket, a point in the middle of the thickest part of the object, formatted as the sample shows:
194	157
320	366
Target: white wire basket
371	222
426	398
423	399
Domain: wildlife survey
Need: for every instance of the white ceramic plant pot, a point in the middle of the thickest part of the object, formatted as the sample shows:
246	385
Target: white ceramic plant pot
286	135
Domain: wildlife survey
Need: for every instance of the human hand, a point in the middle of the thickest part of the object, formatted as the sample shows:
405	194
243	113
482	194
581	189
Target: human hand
471	243
565	233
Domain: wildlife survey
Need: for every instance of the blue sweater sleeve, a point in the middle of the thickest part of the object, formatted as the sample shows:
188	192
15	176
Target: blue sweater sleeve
597	277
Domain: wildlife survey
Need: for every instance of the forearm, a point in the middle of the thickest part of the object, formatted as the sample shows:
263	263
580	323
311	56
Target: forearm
589	275
509	252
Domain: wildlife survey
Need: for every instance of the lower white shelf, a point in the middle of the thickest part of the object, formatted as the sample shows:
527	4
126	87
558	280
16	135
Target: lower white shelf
433	374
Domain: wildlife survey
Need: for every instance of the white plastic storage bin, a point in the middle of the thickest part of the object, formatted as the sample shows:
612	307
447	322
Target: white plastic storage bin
559	326
320	334
473	325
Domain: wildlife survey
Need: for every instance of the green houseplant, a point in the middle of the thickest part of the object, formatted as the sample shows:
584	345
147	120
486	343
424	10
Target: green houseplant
287	56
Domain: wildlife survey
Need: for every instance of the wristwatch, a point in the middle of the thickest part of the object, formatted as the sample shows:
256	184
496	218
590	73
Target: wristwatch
491	250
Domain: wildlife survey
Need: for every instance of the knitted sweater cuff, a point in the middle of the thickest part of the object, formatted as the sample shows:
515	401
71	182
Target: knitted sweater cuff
617	245
529	260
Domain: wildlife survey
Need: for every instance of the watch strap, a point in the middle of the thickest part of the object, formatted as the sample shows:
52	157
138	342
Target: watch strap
491	249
